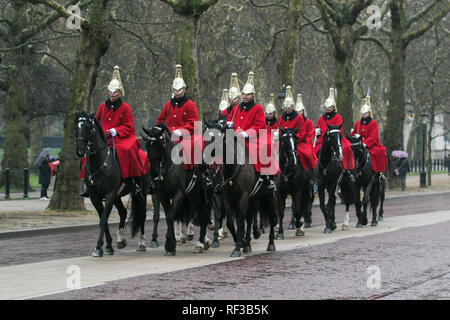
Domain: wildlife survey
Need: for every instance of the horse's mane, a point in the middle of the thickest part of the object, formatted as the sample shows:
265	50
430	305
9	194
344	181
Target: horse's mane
100	130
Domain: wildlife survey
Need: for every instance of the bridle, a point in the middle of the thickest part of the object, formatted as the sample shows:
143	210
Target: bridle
335	155
286	173
164	169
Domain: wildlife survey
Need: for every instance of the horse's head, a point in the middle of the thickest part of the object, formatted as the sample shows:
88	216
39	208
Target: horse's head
333	139
84	129
288	146
359	151
156	141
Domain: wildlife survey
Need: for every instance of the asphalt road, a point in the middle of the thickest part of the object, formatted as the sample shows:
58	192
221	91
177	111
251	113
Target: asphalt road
406	263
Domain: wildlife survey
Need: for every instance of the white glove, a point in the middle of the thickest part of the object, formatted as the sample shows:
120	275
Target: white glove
364	145
317	131
276	135
243	134
357	136
113	132
177	133
230	124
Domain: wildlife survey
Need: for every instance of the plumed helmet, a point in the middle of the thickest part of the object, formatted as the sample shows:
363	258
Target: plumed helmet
270	107
249	87
235	90
224	101
299	105
116	83
289	99
366	106
330	100
178	82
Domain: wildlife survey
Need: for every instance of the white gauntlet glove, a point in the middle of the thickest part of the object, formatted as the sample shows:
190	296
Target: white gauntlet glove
177	133
317	131
113	132
243	134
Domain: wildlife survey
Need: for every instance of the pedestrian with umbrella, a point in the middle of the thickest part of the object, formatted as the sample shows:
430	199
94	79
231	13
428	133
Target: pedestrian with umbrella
401	166
44	172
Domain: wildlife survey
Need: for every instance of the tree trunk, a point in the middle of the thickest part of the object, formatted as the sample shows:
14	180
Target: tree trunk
187	37
343	53
291	43
93	45
15	155
36	144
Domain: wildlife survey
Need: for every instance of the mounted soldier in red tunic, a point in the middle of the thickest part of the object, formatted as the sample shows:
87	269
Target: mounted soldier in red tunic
116	118
271	117
305	136
247	119
180	116
331	117
367	129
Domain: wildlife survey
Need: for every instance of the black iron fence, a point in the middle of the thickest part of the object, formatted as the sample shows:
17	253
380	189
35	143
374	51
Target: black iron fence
26	180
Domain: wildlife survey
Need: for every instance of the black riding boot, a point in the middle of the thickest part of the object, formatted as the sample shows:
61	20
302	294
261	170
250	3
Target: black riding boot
382	177
85	191
271	185
351	177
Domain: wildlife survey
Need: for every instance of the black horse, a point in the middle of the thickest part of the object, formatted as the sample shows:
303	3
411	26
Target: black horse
367	180
182	198
327	173
239	181
215	171
104	179
294	181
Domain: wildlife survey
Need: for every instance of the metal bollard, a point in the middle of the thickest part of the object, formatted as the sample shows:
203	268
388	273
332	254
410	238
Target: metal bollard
7	173
25	182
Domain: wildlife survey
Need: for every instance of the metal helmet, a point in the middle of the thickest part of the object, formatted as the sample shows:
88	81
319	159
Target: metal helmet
270	107
289	100
249	87
330	100
235	90
116	83
178	82
224	101
299	107
366	106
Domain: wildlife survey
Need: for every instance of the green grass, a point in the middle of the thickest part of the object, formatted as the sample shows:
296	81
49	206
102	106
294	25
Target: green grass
412	174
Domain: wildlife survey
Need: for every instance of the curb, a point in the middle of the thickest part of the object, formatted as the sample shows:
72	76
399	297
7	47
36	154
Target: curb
115	222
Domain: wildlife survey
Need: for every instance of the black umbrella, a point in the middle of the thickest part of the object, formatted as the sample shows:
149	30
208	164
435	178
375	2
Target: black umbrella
45	152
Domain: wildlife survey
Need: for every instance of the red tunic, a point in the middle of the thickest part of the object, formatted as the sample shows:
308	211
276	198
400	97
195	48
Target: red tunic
292	121
183	116
225	113
133	161
305	152
334	119
251	119
369	135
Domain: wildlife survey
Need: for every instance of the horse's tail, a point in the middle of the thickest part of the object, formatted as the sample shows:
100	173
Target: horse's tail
138	211
346	193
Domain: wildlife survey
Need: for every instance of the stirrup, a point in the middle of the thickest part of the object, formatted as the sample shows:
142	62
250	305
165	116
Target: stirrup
257	186
191	183
207	183
382	178
85	192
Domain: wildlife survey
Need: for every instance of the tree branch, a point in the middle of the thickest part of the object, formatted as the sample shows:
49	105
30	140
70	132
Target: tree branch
35	42
312	23
378	42
279	4
421	13
55	58
425	27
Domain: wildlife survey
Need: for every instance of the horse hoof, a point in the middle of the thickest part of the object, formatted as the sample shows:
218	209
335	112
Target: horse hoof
380	218
247	249
122	244
359	225
211	227
327	230
98	253
333	226
181	241
109	251
236	254
299	233
374	223
190	237
154	244
271	247
345	227
170	253
256	234
291	226
198	249
141	247
307	225
280	236
215	244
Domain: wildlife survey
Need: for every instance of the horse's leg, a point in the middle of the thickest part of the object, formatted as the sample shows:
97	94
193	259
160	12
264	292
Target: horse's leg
121	241
250	218
374	203
270	211
256	232
381	195
332	207
292	222
301	203
156	206
324	209
281	207
231	226
217	221
170	244
190	232
240	222
104	229
98	204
